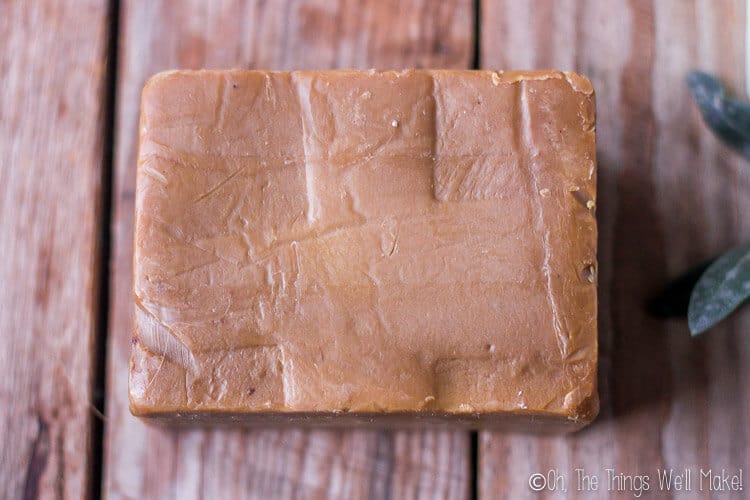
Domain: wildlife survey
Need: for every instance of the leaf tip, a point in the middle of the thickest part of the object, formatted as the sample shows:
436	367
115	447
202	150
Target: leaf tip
695	330
703	84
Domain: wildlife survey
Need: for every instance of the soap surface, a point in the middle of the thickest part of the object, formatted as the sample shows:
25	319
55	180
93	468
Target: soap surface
384	248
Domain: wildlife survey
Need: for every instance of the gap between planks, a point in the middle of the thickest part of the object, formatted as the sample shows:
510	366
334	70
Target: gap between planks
99	383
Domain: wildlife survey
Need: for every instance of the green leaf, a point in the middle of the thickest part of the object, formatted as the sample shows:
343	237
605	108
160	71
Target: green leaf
728	118
722	288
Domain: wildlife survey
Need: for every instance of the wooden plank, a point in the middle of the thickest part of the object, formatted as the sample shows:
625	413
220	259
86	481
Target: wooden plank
51	139
146	462
670	195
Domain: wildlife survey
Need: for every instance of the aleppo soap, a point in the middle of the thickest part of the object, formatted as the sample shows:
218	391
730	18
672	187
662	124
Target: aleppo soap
363	247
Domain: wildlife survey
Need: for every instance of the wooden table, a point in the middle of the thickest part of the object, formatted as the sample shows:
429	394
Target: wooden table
670	195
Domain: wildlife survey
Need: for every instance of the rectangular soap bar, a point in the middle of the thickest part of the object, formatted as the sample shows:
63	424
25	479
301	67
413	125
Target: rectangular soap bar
364	247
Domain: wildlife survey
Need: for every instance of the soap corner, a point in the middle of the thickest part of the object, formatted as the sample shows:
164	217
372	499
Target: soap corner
586	407
579	83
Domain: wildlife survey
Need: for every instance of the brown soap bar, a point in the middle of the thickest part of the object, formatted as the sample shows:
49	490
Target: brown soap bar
385	248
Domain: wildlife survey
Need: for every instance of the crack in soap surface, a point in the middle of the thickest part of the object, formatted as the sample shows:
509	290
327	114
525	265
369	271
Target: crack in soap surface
159	337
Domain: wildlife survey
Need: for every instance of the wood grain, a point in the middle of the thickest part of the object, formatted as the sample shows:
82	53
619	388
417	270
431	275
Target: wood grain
670	195
148	462
51	149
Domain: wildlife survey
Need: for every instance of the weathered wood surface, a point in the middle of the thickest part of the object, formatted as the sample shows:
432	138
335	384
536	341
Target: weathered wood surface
146	462
51	148
670	195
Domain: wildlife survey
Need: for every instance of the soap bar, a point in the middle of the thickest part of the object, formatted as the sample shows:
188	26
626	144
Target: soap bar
374	248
